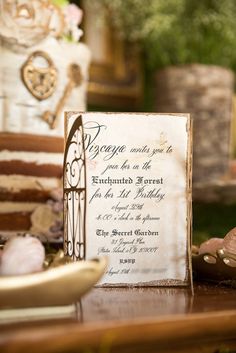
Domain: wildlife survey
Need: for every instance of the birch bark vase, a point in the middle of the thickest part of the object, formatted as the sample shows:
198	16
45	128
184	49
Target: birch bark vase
206	93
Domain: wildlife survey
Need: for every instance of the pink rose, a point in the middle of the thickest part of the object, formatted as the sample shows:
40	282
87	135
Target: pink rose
211	246
73	15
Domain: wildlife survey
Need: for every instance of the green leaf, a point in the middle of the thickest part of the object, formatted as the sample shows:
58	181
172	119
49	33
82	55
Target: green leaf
60	3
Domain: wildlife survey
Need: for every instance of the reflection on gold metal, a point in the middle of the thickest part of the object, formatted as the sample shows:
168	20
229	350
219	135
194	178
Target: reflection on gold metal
61	285
40	80
57	259
75	80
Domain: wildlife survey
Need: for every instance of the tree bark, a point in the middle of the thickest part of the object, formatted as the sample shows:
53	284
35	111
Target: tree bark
206	93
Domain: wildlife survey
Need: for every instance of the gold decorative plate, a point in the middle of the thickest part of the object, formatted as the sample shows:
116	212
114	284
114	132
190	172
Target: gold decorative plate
61	285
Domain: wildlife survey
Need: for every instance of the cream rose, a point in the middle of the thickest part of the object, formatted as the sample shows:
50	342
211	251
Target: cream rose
24	23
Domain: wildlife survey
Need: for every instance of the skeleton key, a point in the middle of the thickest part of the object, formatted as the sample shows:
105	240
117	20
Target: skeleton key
75	79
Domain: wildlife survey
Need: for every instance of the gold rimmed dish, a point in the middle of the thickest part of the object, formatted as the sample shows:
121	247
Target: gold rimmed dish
60	285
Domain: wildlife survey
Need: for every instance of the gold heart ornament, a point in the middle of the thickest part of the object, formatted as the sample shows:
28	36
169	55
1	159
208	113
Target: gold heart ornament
39	75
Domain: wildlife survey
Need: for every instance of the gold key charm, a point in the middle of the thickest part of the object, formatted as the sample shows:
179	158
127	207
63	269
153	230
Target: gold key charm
75	79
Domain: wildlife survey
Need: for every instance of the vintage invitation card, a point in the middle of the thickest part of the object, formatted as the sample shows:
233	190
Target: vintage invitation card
127	192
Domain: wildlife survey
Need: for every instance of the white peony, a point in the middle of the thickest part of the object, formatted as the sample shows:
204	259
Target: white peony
22	255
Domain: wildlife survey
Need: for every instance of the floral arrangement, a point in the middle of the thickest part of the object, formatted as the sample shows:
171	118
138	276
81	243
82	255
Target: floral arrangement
72	15
25	23
26	253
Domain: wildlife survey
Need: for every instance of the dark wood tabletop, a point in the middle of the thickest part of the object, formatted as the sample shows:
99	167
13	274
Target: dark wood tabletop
133	320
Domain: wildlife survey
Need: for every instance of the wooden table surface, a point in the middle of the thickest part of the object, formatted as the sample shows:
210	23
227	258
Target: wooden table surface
134	320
